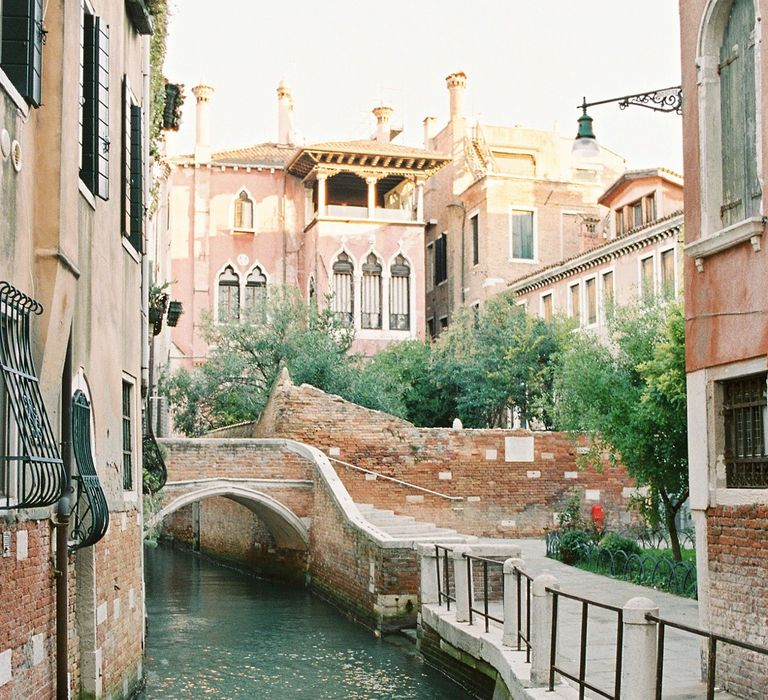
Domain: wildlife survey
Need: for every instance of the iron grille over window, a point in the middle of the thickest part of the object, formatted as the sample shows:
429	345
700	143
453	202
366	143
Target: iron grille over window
229	295
31	470
371	294
90	516
744	410
400	295
255	301
343	289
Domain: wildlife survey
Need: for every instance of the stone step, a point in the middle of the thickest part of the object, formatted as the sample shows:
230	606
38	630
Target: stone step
415	529
365	507
379	519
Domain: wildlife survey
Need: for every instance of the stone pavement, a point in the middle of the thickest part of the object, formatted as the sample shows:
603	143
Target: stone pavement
682	667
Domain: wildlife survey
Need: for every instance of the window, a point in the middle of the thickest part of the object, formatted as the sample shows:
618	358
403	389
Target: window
522	235
343	289
619	222
443	323
744	412
312	291
441	259
431	326
546	307
243	211
741	187
475	239
371	293
668	273
574	301
31	469
637	214
229	295
132	170
646	276
650	208
127	437
608	293
94	113
430	281
400	295
590	292
21	52
255	300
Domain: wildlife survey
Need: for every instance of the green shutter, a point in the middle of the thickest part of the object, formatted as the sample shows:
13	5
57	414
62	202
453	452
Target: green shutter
125	169
89	135
741	189
522	235
22	46
94	170
137	181
102	113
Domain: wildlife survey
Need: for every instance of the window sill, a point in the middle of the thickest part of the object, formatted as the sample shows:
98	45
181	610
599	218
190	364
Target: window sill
524	261
234	231
739	497
87	194
747	230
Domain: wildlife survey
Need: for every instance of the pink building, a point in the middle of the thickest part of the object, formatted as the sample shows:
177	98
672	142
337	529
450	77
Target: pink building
343	219
640	254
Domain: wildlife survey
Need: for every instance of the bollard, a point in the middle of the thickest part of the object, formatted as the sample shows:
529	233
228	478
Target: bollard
638	670
541	628
428	574
463	590
509	638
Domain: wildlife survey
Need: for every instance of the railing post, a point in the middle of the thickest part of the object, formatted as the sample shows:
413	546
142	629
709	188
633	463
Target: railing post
463	590
541	627
428	573
509	638
638	672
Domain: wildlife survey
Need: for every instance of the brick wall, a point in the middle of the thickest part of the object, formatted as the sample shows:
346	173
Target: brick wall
502	497
737	540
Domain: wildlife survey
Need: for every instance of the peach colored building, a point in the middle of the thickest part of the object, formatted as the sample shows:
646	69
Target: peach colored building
344	219
725	83
512	201
640	253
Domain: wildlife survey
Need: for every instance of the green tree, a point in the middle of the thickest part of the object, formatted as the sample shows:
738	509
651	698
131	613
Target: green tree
245	358
629	395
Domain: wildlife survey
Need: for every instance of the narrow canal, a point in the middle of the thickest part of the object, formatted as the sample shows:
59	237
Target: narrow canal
217	633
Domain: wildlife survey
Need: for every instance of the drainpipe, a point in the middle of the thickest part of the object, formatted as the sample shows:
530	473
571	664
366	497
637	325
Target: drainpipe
61	521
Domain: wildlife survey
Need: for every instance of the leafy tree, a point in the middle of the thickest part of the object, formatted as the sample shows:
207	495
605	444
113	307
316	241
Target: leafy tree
629	395
245	358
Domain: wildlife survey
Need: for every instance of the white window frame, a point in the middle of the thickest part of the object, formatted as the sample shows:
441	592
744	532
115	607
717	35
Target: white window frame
551	294
232	204
585	302
133	493
675	280
581	302
602	317
654	282
535	224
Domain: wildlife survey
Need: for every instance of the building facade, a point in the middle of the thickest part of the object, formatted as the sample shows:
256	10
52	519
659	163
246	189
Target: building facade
512	201
342	221
640	254
73	80
725	83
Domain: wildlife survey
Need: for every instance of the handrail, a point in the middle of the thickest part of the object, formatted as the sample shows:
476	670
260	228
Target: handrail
711	651
484	612
397	481
447	576
525	638
581	678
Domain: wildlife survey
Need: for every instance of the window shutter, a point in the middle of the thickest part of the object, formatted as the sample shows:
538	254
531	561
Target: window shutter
102	108
89	140
137	181
22	46
125	179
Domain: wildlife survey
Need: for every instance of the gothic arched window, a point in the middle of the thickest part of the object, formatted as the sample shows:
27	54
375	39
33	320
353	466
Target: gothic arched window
371	293
243	211
400	295
229	295
342	302
255	301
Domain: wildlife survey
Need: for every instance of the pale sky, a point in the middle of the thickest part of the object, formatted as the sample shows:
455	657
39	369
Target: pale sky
528	63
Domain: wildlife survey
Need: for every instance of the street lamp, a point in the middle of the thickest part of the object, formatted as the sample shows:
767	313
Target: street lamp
665	100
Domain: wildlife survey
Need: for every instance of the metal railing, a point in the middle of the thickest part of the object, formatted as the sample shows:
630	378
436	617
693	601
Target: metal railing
379	475
484	612
524	638
713	640
443	595
581	678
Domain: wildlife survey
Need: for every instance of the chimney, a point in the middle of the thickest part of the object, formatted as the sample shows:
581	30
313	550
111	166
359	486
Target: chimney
429	131
456	83
383	130
284	114
203	94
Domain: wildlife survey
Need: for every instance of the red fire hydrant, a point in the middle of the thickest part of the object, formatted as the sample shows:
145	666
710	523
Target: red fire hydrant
598	515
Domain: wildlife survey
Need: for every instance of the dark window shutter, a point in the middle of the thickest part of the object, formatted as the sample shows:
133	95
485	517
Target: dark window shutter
89	134
137	183
125	179
22	47
102	113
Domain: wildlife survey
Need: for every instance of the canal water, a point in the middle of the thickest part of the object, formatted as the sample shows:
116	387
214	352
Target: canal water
220	634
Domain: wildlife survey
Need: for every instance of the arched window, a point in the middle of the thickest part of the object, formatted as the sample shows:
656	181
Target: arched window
342	303
243	211
400	295
255	301
229	295
738	132
371	297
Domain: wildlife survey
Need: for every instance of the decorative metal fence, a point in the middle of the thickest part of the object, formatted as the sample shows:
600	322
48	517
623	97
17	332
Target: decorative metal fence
484	612
443	577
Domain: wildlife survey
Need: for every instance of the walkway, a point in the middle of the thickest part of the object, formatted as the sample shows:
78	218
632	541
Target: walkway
682	667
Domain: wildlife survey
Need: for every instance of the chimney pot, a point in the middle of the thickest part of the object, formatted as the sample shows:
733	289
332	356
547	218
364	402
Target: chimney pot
284	114
383	131
203	94
456	83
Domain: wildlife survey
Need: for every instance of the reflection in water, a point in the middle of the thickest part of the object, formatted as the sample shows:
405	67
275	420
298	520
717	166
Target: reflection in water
217	633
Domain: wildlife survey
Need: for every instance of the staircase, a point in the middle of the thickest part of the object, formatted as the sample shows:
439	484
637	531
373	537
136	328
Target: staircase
408	530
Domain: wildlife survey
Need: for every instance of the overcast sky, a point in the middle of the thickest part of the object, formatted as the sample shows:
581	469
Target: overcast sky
528	63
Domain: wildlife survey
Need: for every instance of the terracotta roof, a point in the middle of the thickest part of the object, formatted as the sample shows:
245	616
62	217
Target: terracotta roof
267	154
630	175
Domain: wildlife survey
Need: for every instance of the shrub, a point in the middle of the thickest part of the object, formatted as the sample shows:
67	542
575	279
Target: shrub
615	543
573	543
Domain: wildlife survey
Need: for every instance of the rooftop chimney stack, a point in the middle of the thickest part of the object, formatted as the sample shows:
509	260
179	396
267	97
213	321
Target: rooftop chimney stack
203	94
456	83
429	131
383	129
284	114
